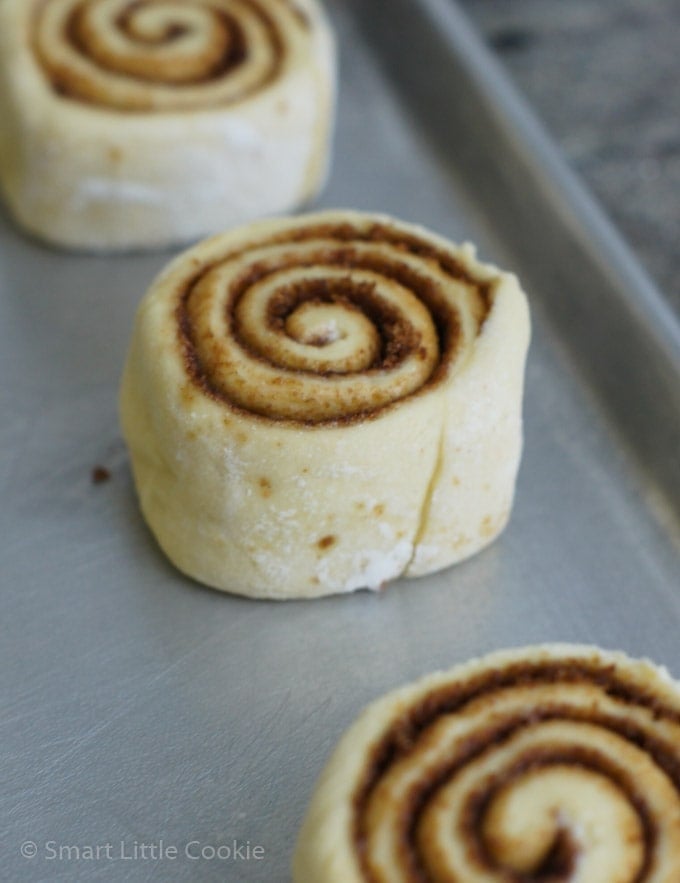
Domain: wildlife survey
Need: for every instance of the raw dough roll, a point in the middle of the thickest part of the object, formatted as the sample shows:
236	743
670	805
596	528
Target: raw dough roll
325	403
545	764
138	123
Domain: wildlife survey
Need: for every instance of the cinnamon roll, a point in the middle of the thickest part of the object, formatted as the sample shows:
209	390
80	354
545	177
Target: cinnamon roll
325	403
139	123
557	763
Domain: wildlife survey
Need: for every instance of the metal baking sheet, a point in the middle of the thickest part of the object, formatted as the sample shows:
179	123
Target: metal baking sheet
145	712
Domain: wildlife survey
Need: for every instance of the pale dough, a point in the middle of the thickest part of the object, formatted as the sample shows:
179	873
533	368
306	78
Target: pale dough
128	125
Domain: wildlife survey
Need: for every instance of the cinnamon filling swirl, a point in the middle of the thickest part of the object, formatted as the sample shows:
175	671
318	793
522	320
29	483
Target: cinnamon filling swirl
164	55
328	323
548	771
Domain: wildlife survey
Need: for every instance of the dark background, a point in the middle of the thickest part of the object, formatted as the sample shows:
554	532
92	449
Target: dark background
604	77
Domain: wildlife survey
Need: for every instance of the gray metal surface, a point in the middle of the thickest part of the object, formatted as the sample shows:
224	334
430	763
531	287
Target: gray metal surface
138	707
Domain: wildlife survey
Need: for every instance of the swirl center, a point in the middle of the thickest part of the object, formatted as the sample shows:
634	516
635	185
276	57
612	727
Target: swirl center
564	814
316	321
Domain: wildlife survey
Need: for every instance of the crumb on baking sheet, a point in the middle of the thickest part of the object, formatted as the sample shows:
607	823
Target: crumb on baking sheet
100	475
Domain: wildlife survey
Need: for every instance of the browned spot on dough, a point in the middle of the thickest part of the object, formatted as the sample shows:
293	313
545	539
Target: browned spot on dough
379	509
265	487
115	154
192	435
488	526
187	393
455	481
327	541
360	506
241	437
314	580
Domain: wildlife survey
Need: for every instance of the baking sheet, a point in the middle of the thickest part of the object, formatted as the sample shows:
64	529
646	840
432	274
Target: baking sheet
145	712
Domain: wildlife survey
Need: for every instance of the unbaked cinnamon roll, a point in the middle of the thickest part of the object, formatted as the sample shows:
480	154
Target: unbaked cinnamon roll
325	403
136	123
544	764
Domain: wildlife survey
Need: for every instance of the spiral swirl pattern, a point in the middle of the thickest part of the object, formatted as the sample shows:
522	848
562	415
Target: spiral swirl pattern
529	766
165	55
328	322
